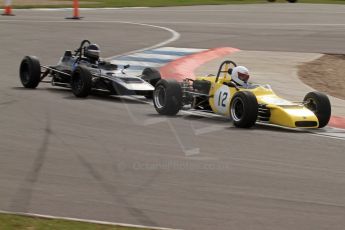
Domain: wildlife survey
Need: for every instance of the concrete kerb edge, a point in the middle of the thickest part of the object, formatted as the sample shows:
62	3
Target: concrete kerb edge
83	220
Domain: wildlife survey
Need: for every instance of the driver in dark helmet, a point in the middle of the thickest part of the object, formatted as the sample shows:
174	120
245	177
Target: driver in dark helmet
92	52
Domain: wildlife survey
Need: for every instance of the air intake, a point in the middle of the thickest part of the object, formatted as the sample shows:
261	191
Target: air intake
306	123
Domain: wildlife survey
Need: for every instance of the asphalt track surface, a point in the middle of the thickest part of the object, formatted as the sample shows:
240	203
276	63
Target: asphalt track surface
115	159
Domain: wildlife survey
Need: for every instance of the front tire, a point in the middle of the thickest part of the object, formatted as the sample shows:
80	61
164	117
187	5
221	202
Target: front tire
244	109
320	105
30	72
167	97
81	82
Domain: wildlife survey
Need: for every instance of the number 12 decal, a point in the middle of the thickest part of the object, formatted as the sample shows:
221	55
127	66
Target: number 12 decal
222	98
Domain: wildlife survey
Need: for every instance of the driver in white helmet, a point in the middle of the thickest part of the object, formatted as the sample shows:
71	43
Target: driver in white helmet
240	76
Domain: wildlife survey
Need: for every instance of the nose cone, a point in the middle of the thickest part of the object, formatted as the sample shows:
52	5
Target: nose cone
294	117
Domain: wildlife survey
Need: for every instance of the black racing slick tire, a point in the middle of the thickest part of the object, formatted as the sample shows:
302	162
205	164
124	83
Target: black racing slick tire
320	105
81	82
167	97
152	76
244	109
30	72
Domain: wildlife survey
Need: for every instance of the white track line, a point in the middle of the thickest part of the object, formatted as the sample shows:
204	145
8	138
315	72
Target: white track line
327	136
174	34
147	23
176	49
137	63
246	23
158	56
180	10
84	220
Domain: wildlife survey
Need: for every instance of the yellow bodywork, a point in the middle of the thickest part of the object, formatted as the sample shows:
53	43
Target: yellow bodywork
283	112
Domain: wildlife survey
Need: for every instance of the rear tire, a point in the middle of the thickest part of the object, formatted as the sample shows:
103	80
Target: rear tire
244	109
152	76
81	82
30	72
320	105
167	97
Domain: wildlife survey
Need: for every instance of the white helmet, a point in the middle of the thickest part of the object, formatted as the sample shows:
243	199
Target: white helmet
240	75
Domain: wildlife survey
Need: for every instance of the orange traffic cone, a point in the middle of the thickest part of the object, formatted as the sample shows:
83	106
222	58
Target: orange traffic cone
75	10
8	8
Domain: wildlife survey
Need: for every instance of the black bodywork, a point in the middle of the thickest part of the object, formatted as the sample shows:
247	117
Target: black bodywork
83	74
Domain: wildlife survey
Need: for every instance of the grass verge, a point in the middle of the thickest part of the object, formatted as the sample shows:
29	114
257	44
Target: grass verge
17	222
154	3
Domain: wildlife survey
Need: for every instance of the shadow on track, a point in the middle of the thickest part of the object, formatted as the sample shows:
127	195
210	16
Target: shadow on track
226	122
96	95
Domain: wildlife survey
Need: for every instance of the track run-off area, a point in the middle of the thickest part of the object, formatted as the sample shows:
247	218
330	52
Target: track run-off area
114	159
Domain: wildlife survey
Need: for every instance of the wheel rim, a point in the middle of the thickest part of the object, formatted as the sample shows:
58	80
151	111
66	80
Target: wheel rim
25	73
237	109
159	97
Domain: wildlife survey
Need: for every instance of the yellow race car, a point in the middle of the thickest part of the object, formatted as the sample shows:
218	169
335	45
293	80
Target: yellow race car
244	105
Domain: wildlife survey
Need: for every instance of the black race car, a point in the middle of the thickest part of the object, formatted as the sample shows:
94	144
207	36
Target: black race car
84	71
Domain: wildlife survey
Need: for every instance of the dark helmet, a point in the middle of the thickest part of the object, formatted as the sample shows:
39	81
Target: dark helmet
92	52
